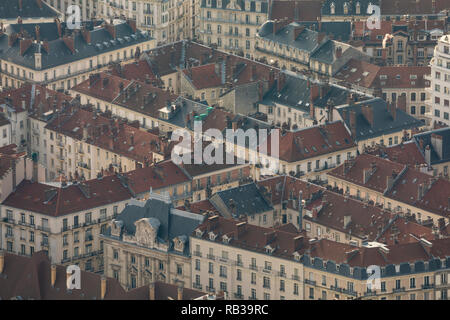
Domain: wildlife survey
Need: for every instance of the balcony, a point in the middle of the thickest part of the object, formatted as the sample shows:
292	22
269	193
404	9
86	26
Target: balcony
210	256
295	277
337	289
44	243
428	286
310	282
238	295
9	235
370	293
89	238
268	271
210	289
197	253
252	298
282	274
349	292
43	228
253	267
10	221
395	290
197	286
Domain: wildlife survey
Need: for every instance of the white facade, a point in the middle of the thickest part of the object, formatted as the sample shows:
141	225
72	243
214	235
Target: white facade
440	82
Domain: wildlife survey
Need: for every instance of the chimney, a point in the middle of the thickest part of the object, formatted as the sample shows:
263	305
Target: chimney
428	154
281	81
20	5
366	175
401	102
213	223
297	241
297	31
420	191
103	287
151	291
180	291
393	111
2	261
19	20
69	41
111	30
338	52
86	34
25	44
389	182
58	27
38	33
132	24
347	220
132	139
240	229
320	37
353	120
53	275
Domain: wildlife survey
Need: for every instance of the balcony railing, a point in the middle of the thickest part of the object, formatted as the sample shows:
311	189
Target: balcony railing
295	277
239	295
210	256
197	286
253	267
428	286
197	253
311	282
402	289
210	289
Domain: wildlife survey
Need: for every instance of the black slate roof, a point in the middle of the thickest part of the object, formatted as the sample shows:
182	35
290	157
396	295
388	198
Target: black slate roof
9	9
247	199
296	94
383	121
59	53
340	30
426	137
172	222
307	40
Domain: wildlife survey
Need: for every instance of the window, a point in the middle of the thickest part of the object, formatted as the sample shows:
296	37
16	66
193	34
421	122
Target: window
282	285
412	283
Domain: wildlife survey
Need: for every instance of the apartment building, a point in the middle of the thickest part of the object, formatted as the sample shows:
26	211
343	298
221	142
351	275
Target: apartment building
166	21
149	241
310	153
243	258
395	187
47	281
400	41
51	54
16	167
232	24
29	109
390	83
434	147
374	122
246	261
84	143
439	90
65	221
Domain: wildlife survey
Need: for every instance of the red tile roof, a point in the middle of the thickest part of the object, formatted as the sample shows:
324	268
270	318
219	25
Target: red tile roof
204	76
285	243
30	278
52	201
405	153
43	99
312	142
102	86
138	70
413	7
161	175
406	182
109	134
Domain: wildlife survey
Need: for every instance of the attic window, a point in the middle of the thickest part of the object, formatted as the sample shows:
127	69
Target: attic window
383	77
212	236
365	73
353	70
413	76
306	150
338	143
397	77
199	233
314	148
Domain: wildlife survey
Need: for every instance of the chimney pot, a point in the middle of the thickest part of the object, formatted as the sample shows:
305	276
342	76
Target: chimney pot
53	275
103	287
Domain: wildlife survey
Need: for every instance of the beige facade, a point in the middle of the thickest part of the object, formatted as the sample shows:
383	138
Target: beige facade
231	27
244	274
135	264
167	21
69	239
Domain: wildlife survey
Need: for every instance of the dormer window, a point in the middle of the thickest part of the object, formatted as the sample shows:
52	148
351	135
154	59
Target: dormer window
199	233
212	236
219	3
345	7
296	256
269	249
208	3
258	6
226	239
178	244
358	8
247	5
332	8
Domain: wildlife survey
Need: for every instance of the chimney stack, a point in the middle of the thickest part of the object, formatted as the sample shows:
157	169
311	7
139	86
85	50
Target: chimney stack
103	287
53	275
38	33
180	291
151	291
2	261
